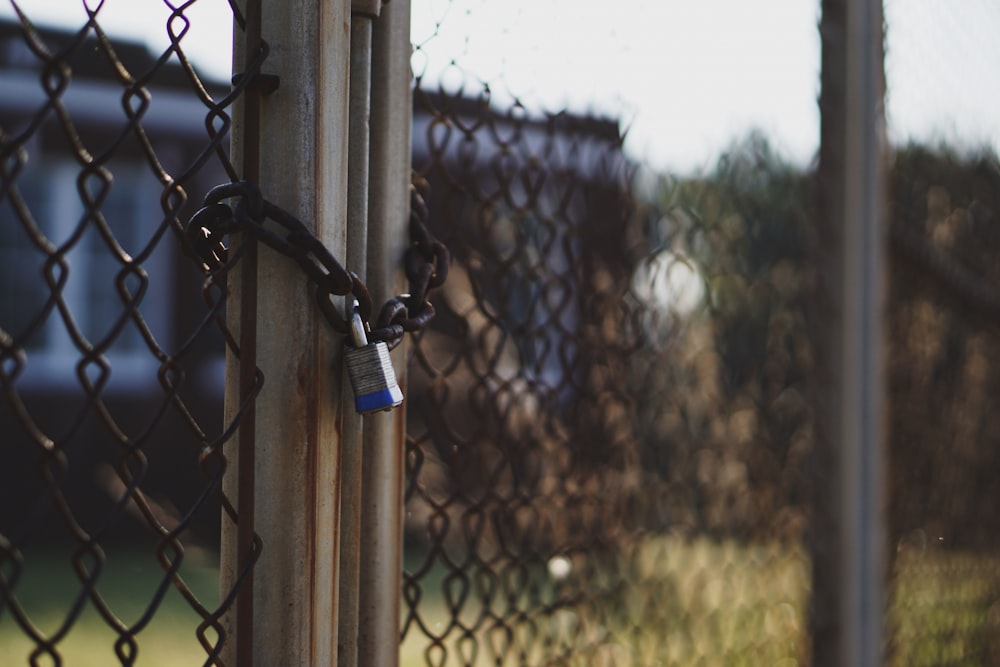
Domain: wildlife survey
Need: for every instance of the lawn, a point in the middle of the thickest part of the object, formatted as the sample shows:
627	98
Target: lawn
128	581
945	610
664	602
661	602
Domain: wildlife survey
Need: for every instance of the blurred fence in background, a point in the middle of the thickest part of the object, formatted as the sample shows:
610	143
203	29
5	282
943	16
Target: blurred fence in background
943	485
610	421
942	323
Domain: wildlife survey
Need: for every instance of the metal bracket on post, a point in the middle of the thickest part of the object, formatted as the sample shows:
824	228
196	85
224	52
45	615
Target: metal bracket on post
369	8
265	84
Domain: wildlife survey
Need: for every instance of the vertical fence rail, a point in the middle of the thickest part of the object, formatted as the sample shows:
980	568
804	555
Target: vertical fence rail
303	166
359	104
243	371
863	388
381	545
848	571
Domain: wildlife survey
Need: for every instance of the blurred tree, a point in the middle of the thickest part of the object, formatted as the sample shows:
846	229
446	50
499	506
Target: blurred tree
944	351
728	424
735	423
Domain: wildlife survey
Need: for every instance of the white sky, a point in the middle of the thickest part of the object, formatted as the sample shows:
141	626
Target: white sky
687	77
943	71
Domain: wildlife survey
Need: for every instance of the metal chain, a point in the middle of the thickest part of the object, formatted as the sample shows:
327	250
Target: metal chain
425	261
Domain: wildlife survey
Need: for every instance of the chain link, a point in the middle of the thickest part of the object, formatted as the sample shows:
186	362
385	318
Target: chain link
425	261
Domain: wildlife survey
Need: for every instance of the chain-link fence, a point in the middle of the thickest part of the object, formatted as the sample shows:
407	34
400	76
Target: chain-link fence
112	345
609	460
942	489
610	419
944	607
942	321
608	424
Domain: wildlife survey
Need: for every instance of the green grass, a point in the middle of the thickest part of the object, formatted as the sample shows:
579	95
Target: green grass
945	610
48	586
697	602
663	601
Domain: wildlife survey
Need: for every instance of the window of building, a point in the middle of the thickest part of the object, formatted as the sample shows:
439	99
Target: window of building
32	279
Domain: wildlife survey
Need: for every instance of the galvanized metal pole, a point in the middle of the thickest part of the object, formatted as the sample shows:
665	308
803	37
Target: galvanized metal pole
385	433
357	257
865	226
848	563
302	168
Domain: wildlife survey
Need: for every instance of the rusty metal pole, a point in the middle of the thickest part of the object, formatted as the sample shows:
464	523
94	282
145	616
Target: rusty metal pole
238	551
359	106
246	471
848	530
302	168
385	433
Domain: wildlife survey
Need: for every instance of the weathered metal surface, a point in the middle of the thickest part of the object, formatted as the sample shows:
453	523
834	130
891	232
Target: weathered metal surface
299	425
384	440
849	469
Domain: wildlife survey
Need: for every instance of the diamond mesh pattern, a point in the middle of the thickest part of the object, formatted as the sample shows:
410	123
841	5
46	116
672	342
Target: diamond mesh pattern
111	349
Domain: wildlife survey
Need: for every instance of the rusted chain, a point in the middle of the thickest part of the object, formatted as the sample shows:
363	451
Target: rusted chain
425	261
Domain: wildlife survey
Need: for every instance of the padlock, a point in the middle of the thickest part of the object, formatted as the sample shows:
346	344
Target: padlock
370	369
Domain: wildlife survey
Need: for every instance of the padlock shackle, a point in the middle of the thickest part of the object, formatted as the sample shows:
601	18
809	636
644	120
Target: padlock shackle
359	331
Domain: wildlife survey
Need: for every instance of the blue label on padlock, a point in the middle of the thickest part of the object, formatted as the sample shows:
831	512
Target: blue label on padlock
379	400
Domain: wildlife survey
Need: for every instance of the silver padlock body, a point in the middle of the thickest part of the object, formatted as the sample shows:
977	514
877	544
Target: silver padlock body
372	378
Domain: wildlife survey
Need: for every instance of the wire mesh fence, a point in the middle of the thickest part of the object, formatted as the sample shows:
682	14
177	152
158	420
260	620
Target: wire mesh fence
112	345
942	485
942	323
608	425
609	420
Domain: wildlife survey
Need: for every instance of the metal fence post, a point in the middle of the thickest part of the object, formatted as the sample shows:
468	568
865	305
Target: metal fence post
848	525
302	168
385	433
362	15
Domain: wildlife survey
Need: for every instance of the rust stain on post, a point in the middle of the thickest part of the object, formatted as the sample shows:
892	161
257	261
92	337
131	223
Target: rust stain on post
298	429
